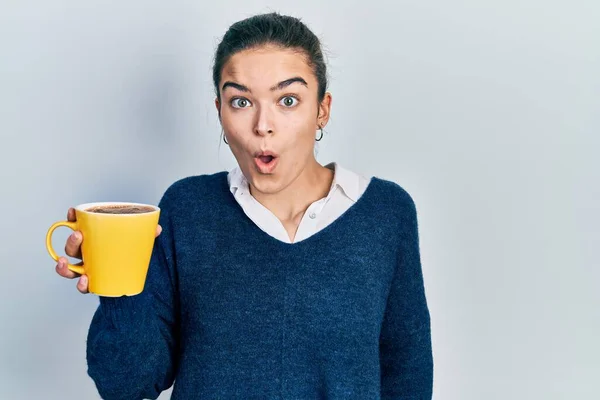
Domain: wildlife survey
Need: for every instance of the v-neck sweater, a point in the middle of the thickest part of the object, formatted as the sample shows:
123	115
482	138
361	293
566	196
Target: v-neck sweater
230	312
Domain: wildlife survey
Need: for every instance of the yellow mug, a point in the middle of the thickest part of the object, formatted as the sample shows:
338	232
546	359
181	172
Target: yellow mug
116	248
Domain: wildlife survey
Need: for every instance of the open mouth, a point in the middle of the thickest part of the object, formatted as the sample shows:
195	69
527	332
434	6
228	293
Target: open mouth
266	159
266	163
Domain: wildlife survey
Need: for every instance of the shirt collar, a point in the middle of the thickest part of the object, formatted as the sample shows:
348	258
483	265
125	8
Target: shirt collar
237	181
344	179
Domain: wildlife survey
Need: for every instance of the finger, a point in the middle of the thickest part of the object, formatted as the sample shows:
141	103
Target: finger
71	216
158	230
62	270
82	285
73	246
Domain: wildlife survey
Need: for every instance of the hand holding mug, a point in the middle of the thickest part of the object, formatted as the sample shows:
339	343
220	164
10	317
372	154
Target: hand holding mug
114	240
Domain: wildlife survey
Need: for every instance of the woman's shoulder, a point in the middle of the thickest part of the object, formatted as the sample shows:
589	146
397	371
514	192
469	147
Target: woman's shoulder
195	187
390	201
389	190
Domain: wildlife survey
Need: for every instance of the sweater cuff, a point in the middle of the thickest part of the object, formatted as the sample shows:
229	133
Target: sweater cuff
123	312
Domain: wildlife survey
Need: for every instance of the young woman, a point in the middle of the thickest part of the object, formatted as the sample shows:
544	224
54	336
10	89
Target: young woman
282	278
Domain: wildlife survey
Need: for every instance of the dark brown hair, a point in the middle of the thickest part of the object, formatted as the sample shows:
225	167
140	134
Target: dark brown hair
264	29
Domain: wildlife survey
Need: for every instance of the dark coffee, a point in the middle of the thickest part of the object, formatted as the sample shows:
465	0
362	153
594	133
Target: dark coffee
120	209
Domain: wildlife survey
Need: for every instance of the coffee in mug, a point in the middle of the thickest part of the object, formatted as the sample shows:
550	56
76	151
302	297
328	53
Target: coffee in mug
120	209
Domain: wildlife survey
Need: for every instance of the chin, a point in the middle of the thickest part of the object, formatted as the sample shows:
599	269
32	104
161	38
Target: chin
267	184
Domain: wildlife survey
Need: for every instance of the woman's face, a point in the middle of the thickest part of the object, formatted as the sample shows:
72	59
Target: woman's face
270	113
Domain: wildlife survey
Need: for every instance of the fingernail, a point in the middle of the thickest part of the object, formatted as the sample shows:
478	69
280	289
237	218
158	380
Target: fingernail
76	236
61	264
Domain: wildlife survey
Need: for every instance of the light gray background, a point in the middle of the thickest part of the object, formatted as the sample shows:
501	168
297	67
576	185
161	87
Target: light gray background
487	112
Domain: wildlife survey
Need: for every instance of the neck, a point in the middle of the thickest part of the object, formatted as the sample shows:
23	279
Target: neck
313	184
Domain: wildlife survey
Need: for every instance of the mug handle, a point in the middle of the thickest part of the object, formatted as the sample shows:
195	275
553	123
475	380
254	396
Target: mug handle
72	225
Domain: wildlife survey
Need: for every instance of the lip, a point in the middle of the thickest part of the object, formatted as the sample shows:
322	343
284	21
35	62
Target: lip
262	166
266	153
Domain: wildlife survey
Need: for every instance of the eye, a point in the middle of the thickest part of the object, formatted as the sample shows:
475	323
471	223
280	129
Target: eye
240	103
288	101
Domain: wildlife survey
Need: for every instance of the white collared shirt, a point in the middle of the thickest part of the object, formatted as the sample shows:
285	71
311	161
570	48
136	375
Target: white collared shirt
345	190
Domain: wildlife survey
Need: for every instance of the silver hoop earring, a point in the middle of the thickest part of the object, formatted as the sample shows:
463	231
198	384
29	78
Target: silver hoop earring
224	138
320	137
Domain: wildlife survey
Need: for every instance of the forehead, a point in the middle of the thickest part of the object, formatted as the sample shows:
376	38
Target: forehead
266	66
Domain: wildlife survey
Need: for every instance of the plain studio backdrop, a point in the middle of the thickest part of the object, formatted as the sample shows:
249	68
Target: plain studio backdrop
486	112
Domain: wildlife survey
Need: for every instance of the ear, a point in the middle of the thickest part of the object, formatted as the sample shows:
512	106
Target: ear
324	111
218	105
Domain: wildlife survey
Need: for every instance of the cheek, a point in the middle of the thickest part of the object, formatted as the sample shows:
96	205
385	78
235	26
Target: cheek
237	134
230	123
235	120
299	126
301	147
303	135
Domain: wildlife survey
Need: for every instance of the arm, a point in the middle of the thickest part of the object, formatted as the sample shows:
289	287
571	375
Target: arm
405	342
132	341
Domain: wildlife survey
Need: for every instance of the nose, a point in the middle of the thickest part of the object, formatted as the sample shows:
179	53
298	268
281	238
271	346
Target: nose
264	122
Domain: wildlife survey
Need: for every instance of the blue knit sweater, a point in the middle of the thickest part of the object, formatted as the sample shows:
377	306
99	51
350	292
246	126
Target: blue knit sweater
229	312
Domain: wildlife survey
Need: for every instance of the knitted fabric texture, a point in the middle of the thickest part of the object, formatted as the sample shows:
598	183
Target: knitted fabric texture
229	312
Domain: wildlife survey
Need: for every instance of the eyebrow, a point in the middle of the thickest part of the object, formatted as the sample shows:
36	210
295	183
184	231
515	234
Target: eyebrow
279	86
288	82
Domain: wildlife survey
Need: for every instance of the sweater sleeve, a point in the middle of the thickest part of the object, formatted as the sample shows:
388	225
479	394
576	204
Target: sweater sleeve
406	357
132	343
